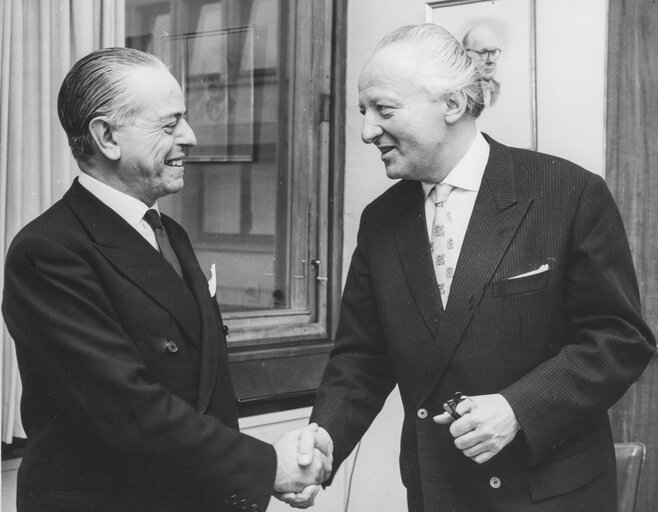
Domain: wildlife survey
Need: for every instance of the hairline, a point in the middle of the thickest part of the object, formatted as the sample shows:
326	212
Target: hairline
425	38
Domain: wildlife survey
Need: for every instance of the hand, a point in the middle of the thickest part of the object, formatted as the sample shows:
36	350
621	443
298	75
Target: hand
487	425
313	437
303	458
303	499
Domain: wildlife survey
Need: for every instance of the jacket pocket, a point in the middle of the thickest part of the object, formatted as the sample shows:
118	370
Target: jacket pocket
522	284
568	474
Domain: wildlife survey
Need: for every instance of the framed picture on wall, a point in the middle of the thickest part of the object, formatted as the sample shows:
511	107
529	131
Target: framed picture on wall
500	38
215	70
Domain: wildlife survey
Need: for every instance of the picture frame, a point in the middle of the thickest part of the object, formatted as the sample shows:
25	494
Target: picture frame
215	70
510	113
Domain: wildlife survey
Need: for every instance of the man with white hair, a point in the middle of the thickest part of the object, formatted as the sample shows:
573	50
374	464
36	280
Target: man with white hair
493	282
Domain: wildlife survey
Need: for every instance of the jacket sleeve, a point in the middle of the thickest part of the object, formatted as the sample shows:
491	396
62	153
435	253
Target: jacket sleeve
610	344
359	375
56	310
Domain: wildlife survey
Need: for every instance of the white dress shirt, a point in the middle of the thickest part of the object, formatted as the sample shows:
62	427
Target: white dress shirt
466	178
127	207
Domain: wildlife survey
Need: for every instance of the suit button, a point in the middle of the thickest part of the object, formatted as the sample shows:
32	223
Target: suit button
172	347
421	413
494	482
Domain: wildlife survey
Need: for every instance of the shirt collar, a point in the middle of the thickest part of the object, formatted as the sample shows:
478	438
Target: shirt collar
468	172
130	209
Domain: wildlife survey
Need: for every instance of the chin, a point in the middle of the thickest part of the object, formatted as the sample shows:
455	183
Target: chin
395	173
175	187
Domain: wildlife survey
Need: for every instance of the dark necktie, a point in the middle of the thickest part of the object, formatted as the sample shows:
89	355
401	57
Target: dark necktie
153	218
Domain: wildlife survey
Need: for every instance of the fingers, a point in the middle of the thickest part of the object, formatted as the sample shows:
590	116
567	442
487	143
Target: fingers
313	437
487	425
326	464
463	407
299	462
306	445
303	499
323	441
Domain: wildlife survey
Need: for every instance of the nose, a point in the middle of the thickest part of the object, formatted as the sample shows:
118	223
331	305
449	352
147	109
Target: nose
370	130
186	135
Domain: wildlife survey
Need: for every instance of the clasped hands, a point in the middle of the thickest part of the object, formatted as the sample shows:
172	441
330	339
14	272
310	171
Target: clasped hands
304	460
486	426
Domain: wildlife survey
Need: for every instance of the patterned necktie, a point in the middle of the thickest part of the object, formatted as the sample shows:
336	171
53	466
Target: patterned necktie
442	244
153	218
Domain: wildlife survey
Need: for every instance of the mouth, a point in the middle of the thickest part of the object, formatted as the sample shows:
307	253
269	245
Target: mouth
385	150
174	163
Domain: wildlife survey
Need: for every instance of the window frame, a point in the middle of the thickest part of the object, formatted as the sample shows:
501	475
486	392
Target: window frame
300	350
277	356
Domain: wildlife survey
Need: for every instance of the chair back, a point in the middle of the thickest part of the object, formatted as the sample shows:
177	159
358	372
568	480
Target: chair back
630	457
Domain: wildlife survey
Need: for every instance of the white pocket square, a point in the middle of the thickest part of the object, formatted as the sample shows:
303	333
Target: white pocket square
212	282
541	269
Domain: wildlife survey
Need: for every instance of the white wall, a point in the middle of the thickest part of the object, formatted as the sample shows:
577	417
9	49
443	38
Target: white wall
571	78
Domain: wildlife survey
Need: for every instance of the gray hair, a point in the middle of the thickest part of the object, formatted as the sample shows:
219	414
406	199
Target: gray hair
450	70
98	85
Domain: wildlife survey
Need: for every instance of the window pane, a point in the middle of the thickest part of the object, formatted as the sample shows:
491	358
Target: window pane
232	58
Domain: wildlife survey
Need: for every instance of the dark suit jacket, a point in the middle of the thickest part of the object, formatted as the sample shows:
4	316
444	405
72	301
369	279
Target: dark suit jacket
561	346
118	417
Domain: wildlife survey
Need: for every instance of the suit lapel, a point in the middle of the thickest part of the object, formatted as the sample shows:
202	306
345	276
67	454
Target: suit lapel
496	216
410	231
211	344
134	257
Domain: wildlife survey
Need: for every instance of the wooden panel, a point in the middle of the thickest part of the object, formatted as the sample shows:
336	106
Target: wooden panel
278	374
632	174
635	418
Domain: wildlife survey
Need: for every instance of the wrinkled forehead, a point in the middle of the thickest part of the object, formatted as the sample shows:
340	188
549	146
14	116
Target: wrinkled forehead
156	90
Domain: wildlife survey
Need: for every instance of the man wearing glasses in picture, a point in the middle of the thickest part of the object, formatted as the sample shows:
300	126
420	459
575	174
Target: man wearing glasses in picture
483	46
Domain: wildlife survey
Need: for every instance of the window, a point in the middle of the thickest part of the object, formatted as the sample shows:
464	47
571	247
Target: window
257	77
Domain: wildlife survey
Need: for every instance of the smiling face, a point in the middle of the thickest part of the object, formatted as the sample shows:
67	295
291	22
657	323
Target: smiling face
399	115
153	144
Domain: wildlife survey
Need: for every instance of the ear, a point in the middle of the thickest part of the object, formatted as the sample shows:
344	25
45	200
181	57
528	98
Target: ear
455	107
102	131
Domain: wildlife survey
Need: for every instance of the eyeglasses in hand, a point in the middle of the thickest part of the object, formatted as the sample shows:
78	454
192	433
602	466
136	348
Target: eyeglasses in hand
486	54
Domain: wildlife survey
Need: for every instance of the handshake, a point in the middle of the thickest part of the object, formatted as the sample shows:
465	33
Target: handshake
304	458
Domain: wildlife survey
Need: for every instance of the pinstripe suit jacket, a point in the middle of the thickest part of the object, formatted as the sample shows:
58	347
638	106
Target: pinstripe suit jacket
116	419
561	346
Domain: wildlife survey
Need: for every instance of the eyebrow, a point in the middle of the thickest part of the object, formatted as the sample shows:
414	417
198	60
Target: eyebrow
176	115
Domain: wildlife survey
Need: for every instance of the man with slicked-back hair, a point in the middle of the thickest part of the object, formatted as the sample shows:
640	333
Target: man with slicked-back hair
127	399
495	280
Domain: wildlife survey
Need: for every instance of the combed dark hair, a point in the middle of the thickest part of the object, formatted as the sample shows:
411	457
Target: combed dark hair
95	86
451	70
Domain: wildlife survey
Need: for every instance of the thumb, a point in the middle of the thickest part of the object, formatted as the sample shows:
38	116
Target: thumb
305	447
443	419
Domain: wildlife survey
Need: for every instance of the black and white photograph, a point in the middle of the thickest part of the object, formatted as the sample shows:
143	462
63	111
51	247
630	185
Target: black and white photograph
329	255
